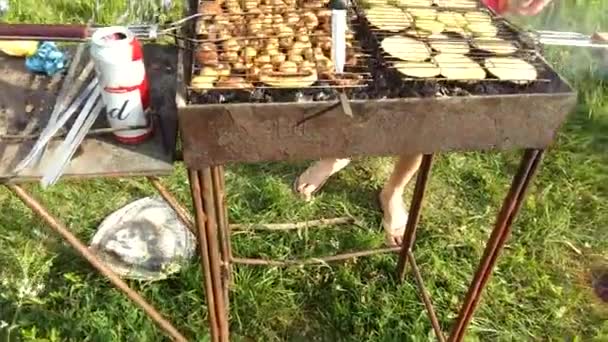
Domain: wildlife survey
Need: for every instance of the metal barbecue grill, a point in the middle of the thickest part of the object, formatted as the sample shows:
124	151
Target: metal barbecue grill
377	91
386	114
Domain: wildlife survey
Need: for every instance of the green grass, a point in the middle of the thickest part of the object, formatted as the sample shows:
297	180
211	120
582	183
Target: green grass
539	291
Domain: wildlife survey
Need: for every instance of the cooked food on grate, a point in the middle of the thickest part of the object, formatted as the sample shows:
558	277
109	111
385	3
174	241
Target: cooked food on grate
372	3
452	19
482	29
418	3
422	13
477	16
282	80
495	45
458	30
511	69
418	33
205	79
388	18
405	48
457	3
459	67
207	54
432	26
233	82
272	44
417	69
444	44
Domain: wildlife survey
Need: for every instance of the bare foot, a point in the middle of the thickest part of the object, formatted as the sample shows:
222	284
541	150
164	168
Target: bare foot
311	180
394	218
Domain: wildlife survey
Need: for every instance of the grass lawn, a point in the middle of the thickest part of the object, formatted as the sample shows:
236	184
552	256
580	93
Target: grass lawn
539	291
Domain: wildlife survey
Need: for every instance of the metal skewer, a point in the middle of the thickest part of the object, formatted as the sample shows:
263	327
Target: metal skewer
596	40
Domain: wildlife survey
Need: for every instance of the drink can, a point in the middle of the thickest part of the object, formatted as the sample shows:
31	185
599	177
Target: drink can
119	65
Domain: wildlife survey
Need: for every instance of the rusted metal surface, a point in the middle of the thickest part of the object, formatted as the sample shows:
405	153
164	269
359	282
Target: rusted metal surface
426	298
315	261
203	247
82	249
26	101
511	205
179	209
219	134
44	31
223	229
213	249
409	235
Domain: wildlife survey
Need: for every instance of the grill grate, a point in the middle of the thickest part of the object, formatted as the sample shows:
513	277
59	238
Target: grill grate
488	30
271	49
372	73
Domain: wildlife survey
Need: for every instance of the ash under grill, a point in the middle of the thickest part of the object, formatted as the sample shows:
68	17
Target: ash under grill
370	74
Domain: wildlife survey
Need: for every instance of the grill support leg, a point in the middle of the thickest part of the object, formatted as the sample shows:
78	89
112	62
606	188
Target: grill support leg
207	188
83	250
511	205
409	235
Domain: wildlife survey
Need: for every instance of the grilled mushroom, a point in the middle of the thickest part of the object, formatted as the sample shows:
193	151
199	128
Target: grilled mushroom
288	67
206	54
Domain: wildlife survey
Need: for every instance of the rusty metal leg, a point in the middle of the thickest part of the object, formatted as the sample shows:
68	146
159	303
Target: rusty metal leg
223	226
82	249
201	218
181	212
511	205
414	215
426	298
213	250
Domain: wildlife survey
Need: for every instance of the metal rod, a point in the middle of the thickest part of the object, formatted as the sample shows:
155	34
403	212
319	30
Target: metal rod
98	131
315	261
426	298
511	204
39	31
82	249
179	209
293	225
214	254
225	213
195	190
219	197
409	235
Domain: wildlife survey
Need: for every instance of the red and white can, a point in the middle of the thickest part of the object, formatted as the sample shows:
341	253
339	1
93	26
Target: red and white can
120	69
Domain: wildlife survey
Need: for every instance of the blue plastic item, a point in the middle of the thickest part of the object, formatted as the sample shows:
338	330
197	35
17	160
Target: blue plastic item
48	59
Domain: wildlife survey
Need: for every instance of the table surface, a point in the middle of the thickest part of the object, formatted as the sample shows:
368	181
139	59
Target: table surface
99	156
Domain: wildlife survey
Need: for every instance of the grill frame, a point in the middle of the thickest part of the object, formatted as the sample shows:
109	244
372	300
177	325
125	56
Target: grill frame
217	134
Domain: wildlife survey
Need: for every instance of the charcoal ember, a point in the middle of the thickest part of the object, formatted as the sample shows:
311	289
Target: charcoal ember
207	97
260	95
459	91
486	89
361	94
325	94
241	96
310	93
301	96
282	95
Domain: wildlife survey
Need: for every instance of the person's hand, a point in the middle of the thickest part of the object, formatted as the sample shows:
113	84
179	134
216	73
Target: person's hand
529	7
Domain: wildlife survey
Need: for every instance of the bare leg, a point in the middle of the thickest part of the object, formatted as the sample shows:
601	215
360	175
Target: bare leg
391	197
311	180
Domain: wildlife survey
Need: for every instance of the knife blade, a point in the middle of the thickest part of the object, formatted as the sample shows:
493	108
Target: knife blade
338	33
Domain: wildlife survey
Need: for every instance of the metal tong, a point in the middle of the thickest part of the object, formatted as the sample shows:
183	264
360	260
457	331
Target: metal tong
596	40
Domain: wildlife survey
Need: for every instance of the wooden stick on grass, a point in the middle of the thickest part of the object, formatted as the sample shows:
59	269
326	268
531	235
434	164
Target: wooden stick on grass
293	225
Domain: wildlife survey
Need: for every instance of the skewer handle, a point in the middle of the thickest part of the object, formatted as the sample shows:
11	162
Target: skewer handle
43	31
